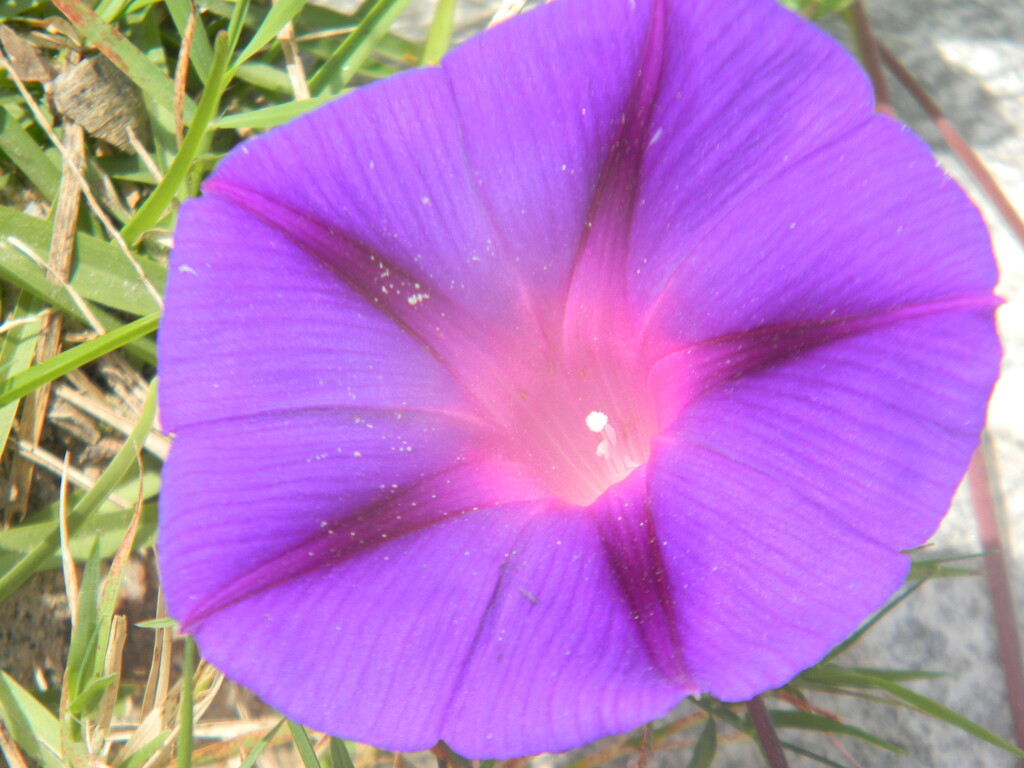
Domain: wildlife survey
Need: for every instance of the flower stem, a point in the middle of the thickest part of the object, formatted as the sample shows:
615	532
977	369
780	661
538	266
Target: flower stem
766	733
987	502
867	45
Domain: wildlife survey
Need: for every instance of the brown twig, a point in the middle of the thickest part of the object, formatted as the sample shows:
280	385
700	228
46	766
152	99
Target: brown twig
867	45
958	144
766	734
987	502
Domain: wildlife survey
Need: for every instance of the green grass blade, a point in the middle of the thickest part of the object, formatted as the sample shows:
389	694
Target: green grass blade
269	117
303	745
829	674
83	634
260	746
11	8
108	524
201	55
32	726
340	757
27	156
723	713
17	348
20	385
810	721
188	669
706	747
938	711
88	504
150	212
89	697
280	14
237	23
335	73
101	273
125	56
439	37
141	756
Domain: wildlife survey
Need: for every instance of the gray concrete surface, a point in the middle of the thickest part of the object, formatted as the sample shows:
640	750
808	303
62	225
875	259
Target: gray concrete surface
970	56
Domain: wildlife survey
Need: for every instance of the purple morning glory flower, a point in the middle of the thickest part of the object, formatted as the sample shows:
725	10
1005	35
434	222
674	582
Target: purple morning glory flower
616	360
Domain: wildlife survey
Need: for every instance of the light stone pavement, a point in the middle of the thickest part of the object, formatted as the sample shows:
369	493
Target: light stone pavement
970	56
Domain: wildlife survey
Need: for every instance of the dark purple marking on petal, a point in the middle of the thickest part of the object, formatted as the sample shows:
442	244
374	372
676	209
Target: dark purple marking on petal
450	493
748	90
411	303
683	375
865	223
557	657
598	281
623	517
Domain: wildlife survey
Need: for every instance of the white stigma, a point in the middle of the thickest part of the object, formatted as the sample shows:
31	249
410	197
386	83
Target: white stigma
619	461
596	421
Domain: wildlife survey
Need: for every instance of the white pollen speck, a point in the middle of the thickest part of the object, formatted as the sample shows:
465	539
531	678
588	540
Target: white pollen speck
655	137
416	298
596	421
187	270
792	225
357	454
425	200
583	112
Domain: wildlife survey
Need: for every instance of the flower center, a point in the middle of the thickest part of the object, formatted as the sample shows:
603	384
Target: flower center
579	424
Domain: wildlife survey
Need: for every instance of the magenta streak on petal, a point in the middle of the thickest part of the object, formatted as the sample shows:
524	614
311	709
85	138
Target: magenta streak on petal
598	369
601	261
684	374
634	556
448	495
409	300
535	396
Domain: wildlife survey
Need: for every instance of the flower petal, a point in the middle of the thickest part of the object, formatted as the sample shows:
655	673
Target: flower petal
317	471
231	343
867	224
783	498
440	587
747	90
539	165
382	168
559	659
337	576
362	650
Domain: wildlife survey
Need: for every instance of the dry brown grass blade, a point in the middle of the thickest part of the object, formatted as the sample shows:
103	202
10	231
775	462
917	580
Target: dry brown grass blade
10	750
156	443
47	460
67	561
293	64
181	73
62	243
229	746
112	666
